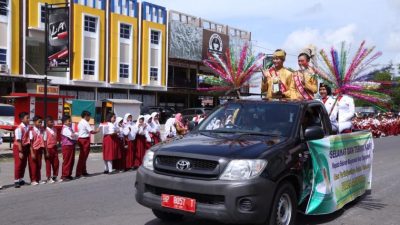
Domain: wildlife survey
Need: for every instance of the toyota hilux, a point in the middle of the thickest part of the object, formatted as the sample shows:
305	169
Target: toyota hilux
243	164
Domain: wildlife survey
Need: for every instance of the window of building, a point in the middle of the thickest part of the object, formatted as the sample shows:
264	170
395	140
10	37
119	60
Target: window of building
153	74
43	13
3	8
123	70
3	56
155	57
89	67
124	31
125	53
155	37
90	24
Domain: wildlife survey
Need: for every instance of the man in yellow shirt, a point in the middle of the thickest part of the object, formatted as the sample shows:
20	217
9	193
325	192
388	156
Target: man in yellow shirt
303	83
275	84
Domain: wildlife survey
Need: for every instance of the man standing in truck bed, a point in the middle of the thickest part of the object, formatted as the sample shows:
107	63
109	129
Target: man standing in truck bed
276	79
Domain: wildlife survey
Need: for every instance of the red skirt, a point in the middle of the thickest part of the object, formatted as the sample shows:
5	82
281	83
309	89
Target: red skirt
130	155
111	147
119	163
140	143
156	138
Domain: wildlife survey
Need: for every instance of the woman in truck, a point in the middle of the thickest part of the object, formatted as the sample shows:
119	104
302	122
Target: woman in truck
326	97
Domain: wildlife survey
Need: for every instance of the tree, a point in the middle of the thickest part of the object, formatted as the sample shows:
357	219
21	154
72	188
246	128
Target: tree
396	95
398	69
386	74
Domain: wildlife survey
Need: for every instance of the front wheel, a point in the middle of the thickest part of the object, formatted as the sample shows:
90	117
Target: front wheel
165	216
284	208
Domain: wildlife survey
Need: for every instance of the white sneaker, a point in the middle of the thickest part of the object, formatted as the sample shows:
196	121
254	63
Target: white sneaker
50	181
43	182
34	183
1	187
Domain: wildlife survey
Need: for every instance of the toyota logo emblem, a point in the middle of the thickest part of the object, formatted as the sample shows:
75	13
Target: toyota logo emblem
183	164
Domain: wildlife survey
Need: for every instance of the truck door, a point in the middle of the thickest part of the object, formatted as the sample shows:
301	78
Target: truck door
313	116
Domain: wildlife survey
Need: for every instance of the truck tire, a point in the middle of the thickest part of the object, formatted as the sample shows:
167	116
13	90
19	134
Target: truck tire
165	216
284	208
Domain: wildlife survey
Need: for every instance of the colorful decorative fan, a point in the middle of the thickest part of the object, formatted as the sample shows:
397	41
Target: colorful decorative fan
233	73
353	78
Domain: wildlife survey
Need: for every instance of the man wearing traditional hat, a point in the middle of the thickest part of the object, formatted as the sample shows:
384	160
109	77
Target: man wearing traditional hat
275	83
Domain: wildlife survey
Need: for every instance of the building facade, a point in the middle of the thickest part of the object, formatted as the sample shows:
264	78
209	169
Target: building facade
117	49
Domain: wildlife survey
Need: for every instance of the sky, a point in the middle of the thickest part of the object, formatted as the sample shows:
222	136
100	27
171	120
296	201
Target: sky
293	25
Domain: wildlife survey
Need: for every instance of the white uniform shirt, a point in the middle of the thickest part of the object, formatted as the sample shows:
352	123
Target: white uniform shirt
329	103
108	128
155	127
36	131
119	130
50	130
143	130
18	131
346	111
84	129
130	131
169	128
67	132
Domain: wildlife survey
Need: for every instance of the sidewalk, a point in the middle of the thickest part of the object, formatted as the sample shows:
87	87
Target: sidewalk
7	153
95	167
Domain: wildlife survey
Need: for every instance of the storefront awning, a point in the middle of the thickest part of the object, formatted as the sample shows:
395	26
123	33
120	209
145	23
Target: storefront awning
22	78
123	101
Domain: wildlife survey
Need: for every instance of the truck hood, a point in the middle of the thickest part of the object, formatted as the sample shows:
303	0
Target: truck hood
220	145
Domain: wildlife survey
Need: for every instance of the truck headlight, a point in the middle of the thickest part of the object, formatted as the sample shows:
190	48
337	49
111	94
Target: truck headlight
148	160
243	169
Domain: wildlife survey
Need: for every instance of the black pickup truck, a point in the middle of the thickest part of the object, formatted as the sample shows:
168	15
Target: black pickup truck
243	164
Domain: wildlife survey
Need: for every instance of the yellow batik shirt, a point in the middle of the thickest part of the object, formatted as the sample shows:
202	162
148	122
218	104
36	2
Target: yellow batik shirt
267	84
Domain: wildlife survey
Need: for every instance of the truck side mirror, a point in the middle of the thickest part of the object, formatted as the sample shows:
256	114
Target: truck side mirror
314	133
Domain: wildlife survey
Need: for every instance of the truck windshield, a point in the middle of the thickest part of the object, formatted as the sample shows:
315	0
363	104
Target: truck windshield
257	118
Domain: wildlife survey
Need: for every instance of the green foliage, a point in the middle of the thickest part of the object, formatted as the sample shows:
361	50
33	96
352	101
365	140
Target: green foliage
383	76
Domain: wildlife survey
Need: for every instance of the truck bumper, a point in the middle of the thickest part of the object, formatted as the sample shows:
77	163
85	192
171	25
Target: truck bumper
246	201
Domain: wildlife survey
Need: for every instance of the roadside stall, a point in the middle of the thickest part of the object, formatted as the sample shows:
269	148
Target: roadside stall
34	104
121	106
77	106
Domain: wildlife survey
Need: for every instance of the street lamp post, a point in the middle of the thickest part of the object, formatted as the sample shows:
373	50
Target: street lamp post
45	100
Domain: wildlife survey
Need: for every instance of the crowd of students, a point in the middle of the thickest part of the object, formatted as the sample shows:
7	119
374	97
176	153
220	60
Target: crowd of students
125	142
380	125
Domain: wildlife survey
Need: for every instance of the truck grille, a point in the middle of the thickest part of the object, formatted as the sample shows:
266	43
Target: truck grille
196	163
200	168
201	198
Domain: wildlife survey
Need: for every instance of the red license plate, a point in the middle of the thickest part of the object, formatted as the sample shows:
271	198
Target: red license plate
178	202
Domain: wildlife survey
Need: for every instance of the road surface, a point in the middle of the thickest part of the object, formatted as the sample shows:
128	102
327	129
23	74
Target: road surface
109	199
